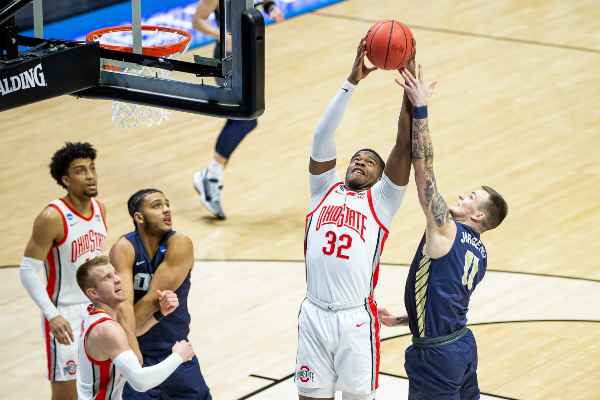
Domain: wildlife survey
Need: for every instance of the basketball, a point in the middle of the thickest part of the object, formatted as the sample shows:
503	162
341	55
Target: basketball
390	44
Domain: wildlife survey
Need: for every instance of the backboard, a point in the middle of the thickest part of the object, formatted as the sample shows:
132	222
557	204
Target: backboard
238	93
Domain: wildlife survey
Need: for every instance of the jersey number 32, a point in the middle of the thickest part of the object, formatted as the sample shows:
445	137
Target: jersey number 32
337	245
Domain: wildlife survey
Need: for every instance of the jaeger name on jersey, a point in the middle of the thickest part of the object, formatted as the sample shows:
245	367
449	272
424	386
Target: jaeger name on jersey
473	241
343	216
87	243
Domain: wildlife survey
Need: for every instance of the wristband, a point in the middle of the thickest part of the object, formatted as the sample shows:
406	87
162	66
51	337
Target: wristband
158	315
420	112
348	87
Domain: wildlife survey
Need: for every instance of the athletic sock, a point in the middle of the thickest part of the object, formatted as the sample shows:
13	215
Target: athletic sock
215	170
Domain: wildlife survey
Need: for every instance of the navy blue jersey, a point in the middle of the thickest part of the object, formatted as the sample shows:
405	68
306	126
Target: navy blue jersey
438	290
175	326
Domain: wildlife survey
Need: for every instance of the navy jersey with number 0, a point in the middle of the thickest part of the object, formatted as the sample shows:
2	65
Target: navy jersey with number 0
175	326
438	290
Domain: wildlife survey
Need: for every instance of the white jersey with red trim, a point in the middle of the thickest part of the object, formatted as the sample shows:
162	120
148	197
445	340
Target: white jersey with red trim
97	380
84	238
343	242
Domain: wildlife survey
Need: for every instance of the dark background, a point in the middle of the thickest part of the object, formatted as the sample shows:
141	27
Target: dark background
55	10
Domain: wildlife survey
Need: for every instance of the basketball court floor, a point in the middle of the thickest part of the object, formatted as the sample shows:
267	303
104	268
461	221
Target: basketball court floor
517	107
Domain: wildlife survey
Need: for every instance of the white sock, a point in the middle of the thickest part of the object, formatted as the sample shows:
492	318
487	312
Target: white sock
215	170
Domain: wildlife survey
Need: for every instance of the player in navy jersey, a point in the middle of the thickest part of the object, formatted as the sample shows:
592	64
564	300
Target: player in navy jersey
450	261
209	181
153	258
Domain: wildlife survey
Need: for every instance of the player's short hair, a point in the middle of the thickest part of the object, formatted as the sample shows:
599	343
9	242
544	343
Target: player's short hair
84	272
495	209
377	157
59	164
135	201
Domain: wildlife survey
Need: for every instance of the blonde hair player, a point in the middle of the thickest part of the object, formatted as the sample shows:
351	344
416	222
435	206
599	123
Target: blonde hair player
346	229
106	361
449	263
68	232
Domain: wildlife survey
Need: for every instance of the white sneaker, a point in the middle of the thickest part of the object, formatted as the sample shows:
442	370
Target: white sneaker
209	190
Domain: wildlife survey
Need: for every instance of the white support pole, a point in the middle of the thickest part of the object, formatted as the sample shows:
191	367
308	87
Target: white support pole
38	19
136	22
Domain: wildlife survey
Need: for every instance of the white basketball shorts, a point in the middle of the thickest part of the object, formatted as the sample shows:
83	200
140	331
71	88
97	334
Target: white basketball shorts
62	359
337	351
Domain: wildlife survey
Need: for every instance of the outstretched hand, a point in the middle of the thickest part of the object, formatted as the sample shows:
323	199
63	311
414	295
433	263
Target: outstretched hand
388	319
417	91
359	69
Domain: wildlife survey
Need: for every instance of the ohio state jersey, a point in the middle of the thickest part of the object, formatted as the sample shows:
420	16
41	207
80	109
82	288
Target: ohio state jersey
343	242
97	380
84	238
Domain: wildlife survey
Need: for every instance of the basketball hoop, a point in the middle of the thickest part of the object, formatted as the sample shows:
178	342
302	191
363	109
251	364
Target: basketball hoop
157	41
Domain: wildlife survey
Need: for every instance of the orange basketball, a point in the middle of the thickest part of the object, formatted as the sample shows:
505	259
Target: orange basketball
390	44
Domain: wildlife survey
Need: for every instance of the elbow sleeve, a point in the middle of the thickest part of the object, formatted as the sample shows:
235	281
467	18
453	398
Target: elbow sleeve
323	146
28	274
143	379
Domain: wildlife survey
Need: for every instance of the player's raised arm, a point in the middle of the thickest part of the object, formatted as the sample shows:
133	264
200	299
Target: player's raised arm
122	257
169	275
200	18
323	152
397	167
440	227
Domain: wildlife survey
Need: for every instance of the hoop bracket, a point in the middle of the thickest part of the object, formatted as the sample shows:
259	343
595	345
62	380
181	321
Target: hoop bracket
201	67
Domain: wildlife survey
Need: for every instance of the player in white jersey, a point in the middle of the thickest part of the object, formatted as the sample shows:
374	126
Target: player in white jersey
346	229
68	232
106	361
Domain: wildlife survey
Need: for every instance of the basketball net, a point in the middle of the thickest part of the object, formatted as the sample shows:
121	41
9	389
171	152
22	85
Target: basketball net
156	41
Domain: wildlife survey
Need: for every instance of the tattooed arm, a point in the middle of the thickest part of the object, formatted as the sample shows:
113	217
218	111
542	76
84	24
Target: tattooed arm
441	229
431	200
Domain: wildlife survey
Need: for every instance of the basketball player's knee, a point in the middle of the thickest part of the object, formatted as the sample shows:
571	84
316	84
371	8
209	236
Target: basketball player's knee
64	390
354	396
315	393
232	135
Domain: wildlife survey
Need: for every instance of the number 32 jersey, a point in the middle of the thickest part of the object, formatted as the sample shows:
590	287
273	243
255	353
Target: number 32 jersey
344	238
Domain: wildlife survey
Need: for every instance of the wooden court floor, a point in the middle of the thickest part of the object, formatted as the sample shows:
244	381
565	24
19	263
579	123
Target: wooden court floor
517	107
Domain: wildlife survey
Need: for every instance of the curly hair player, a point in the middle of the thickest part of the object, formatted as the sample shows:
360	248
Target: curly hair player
68	232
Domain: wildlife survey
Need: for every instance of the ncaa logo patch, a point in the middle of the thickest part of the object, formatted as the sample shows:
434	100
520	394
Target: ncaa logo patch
304	374
69	216
70	367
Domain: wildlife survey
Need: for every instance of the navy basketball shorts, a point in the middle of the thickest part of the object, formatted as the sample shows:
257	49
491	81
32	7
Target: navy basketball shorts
186	383
444	372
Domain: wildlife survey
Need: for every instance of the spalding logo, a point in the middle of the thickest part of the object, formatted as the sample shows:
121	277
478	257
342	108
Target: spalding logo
33	77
